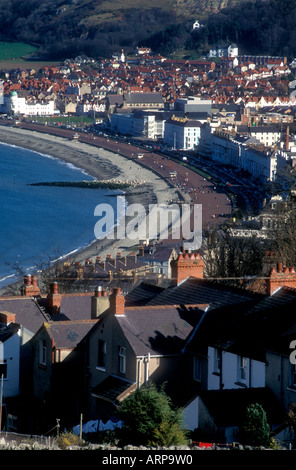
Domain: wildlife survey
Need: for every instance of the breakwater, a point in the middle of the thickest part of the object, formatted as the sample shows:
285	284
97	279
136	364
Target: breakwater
105	184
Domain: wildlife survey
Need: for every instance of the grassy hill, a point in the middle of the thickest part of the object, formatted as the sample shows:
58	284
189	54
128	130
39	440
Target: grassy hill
67	28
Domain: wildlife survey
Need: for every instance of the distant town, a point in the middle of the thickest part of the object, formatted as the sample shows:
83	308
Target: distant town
216	324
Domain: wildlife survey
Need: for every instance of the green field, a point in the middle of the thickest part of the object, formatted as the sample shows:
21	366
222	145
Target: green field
64	120
15	50
18	54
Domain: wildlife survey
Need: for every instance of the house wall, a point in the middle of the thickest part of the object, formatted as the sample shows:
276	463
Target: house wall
121	123
19	105
42	373
110	332
190	415
255	372
278	379
205	421
181	137
260	164
10	352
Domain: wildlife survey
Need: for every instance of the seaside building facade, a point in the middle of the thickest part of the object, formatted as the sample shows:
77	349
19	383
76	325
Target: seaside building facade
20	105
182	133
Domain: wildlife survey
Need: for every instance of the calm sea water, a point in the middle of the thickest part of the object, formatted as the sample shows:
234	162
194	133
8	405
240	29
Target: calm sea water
37	222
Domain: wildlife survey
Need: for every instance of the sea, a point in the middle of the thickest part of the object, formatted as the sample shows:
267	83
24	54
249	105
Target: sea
41	224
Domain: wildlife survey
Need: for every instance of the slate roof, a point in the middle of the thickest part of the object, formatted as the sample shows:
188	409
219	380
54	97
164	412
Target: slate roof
143	98
162	330
160	253
73	307
141	294
69	334
201	291
76	307
26	312
113	389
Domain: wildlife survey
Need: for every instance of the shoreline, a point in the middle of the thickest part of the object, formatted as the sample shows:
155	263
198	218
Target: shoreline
100	164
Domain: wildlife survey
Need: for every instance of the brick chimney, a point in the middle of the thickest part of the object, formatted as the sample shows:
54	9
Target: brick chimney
54	298
187	265
7	317
280	277
99	302
30	287
111	261
117	302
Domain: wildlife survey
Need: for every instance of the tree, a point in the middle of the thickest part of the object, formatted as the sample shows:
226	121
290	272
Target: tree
150	419
255	430
292	420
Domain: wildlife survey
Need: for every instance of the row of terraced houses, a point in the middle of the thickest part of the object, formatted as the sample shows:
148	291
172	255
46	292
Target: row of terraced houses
217	348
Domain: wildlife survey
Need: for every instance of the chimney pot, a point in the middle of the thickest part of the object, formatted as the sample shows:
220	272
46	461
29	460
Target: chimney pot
280	267
27	280
54	288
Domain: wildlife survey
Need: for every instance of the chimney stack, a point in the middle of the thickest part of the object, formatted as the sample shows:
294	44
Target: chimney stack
141	250
117	302
99	302
7	317
187	265
54	298
280	277
30	287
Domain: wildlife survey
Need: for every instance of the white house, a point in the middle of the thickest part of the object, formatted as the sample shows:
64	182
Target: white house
197	25
244	152
19	105
10	342
224	50
182	133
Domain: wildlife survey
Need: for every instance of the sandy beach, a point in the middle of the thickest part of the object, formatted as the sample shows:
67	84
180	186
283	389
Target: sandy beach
102	165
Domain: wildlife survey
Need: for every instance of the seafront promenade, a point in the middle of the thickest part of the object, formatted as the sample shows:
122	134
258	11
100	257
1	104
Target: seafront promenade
106	159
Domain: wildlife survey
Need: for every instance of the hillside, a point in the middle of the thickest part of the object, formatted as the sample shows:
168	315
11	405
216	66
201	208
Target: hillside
66	28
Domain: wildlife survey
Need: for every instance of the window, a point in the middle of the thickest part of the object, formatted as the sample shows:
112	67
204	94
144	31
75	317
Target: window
122	360
242	369
217	361
3	369
42	352
196	368
101	353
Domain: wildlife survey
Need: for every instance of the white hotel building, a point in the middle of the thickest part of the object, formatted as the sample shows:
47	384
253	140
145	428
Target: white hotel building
19	105
182	133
